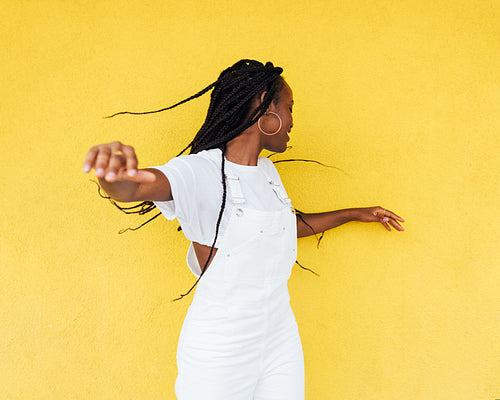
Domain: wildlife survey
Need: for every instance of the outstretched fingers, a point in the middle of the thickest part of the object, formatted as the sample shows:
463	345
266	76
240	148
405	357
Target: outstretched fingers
388	218
130	160
142	176
395	217
384	222
102	161
90	159
395	224
116	162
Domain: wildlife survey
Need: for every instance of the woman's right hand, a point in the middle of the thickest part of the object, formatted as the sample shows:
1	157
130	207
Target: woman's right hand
116	162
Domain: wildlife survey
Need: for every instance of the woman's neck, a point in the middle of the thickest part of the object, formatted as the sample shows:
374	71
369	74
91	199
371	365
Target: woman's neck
244	149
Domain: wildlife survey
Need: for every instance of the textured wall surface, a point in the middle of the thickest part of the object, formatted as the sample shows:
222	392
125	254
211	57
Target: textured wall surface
403	97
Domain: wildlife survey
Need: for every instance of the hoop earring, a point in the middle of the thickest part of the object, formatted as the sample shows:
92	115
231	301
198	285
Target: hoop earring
274	133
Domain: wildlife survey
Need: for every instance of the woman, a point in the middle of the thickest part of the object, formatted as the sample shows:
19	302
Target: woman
239	339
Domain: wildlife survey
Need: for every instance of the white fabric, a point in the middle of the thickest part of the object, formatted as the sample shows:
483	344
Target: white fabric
196	184
240	340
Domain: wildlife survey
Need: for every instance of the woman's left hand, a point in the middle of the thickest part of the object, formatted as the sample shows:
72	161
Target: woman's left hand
379	214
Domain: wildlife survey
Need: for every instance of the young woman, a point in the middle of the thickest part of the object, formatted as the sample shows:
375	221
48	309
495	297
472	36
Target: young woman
239	339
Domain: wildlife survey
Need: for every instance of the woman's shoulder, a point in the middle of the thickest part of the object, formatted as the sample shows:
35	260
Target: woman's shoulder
265	162
195	169
206	159
268	166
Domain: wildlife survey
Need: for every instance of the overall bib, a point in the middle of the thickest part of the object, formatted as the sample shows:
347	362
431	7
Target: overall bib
240	340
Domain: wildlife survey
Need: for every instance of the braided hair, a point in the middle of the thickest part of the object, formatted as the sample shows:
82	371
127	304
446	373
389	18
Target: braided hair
229	114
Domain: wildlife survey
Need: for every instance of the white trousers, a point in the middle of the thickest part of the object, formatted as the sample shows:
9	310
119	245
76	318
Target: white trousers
252	357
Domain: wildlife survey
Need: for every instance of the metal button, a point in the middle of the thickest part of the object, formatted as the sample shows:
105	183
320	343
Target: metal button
284	228
239	212
261	231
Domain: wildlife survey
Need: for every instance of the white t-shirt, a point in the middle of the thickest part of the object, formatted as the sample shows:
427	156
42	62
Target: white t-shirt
196	183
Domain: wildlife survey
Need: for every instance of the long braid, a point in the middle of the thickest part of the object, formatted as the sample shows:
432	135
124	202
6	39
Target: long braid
217	226
194	96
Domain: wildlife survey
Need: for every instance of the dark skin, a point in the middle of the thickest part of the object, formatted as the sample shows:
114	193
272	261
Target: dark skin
116	167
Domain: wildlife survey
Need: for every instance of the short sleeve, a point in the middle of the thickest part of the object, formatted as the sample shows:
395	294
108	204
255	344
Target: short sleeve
182	183
197	195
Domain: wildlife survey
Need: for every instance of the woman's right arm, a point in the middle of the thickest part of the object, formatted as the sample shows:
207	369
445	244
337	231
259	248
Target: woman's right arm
115	166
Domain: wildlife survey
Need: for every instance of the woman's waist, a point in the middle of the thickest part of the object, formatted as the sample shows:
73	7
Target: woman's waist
252	293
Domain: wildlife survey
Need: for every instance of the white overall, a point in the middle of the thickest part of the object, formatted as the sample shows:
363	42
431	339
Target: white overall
240	340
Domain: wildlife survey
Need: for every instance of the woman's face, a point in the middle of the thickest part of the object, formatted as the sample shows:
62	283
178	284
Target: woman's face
270	122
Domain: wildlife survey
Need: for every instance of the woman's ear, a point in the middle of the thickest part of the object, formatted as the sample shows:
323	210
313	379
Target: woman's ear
262	97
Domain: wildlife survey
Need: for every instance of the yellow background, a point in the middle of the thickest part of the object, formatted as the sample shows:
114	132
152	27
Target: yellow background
402	96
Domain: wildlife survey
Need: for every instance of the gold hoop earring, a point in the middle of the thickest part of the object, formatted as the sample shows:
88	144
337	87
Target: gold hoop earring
274	133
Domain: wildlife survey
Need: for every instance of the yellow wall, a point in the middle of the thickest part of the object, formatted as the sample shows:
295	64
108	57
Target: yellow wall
402	96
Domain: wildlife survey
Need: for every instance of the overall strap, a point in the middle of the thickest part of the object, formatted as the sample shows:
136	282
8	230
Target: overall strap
278	189
234	187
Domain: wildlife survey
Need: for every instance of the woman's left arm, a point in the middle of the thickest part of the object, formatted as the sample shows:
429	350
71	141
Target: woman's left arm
309	224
